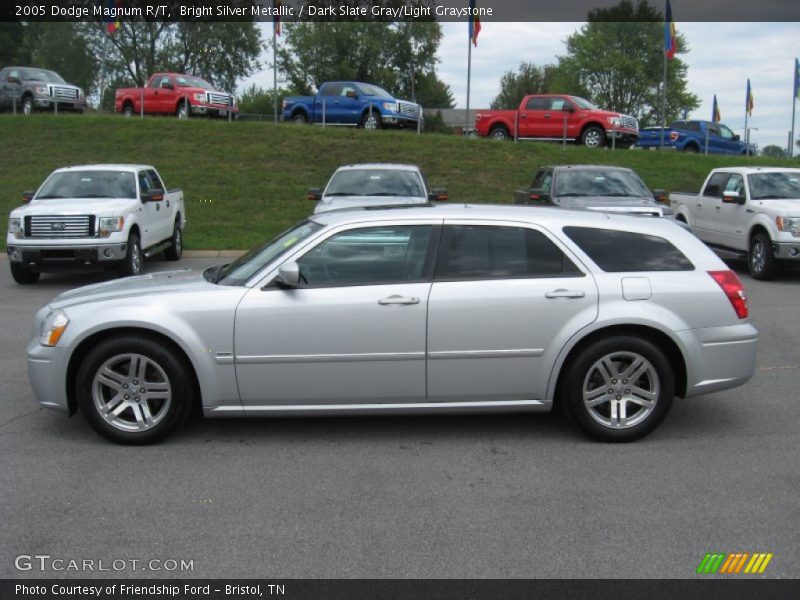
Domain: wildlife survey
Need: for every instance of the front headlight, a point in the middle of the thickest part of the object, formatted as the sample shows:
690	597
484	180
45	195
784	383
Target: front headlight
42	90
80	93
53	328
200	97
15	228
790	224
108	225
615	121
391	106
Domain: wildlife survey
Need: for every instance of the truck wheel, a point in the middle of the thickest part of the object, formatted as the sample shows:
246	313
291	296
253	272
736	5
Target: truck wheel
132	264
183	111
127	110
760	259
22	275
618	389
299	119
175	251
371	121
499	132
691	149
133	389
27	105
593	137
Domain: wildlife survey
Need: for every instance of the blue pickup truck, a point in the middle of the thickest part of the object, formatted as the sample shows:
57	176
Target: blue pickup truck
352	103
690	136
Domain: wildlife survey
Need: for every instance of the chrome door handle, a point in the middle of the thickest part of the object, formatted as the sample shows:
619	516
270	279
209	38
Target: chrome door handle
398	300
565	294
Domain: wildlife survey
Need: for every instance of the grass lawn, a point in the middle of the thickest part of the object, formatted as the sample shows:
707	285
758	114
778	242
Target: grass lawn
245	181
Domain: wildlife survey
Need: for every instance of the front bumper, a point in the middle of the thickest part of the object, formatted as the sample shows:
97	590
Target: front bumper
719	358
66	256
47	103
788	251
214	111
47	371
622	136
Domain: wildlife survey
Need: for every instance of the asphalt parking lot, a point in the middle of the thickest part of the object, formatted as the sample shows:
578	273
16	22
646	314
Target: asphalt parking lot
496	496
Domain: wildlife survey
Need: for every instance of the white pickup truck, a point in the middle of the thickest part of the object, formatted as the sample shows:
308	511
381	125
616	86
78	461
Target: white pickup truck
94	216
747	212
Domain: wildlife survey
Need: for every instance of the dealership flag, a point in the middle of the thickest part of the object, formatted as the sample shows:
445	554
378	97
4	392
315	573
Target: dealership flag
276	17
715	116
749	104
474	24
112	23
670	36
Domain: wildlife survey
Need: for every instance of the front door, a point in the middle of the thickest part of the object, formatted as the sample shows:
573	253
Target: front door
353	333
505	300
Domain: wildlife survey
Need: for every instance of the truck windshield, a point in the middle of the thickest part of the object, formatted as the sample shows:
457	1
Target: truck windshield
584	103
239	271
88	184
597	182
775	186
42	75
376	182
373	90
195	82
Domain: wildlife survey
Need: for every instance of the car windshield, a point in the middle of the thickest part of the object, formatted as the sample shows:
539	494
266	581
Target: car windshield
775	186
239	271
42	75
373	90
583	103
195	82
376	182
596	182
88	184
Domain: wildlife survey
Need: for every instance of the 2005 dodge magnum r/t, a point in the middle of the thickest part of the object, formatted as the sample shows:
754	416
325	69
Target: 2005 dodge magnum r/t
426	309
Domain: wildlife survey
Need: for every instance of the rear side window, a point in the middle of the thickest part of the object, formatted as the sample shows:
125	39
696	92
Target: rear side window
489	252
537	104
624	251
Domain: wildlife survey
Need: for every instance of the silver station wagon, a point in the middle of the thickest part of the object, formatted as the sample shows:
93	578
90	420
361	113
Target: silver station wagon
416	310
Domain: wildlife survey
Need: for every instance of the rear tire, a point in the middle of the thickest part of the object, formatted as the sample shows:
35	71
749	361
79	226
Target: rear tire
691	149
147	384
760	259
127	110
299	119
618	389
23	275
132	264
175	251
499	132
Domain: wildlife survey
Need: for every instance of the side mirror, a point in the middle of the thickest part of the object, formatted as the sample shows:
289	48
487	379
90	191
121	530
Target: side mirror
167	86
12	79
568	107
314	194
736	137
538	196
27	197
153	196
660	196
732	198
438	195
288	275
351	94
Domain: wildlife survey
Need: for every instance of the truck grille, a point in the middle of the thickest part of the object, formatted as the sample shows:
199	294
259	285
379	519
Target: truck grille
629	122
215	98
55	227
408	109
63	92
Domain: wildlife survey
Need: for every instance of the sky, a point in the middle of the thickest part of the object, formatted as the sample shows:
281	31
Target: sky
721	57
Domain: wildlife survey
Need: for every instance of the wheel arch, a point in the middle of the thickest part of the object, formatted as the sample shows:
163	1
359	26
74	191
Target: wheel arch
757	228
588	124
299	110
89	342
661	339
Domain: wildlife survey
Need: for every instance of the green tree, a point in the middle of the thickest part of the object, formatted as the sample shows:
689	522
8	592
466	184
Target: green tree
618	57
65	49
258	101
13	49
433	92
773	151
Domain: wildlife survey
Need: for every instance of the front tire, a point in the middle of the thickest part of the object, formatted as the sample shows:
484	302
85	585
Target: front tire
133	389
175	251
618	389
183	110
132	264
760	259
371	121
27	105
22	275
593	137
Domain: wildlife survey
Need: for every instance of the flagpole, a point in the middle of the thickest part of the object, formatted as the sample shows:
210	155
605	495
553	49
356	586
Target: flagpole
275	71
794	103
791	142
469	77
746	111
664	102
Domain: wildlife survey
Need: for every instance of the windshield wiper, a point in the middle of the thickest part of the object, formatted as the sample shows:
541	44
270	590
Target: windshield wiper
384	194
574	195
773	197
617	195
51	197
342	194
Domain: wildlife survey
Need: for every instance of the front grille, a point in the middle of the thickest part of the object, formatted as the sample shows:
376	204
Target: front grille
215	98
56	227
407	109
630	123
63	92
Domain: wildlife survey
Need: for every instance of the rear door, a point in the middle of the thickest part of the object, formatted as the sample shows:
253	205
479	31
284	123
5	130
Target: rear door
532	117
329	99
504	301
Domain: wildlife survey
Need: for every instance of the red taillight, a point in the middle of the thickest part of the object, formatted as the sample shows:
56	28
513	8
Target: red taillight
734	290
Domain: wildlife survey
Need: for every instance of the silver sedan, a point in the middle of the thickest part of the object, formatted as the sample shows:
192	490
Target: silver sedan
419	310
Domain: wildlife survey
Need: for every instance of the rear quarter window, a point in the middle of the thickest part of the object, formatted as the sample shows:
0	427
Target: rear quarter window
624	251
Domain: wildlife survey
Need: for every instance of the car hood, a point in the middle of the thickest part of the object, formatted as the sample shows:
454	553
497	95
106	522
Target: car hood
338	202
788	208
76	206
610	203
184	280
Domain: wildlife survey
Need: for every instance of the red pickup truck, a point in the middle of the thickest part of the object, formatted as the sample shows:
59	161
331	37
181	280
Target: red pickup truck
543	116
175	94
